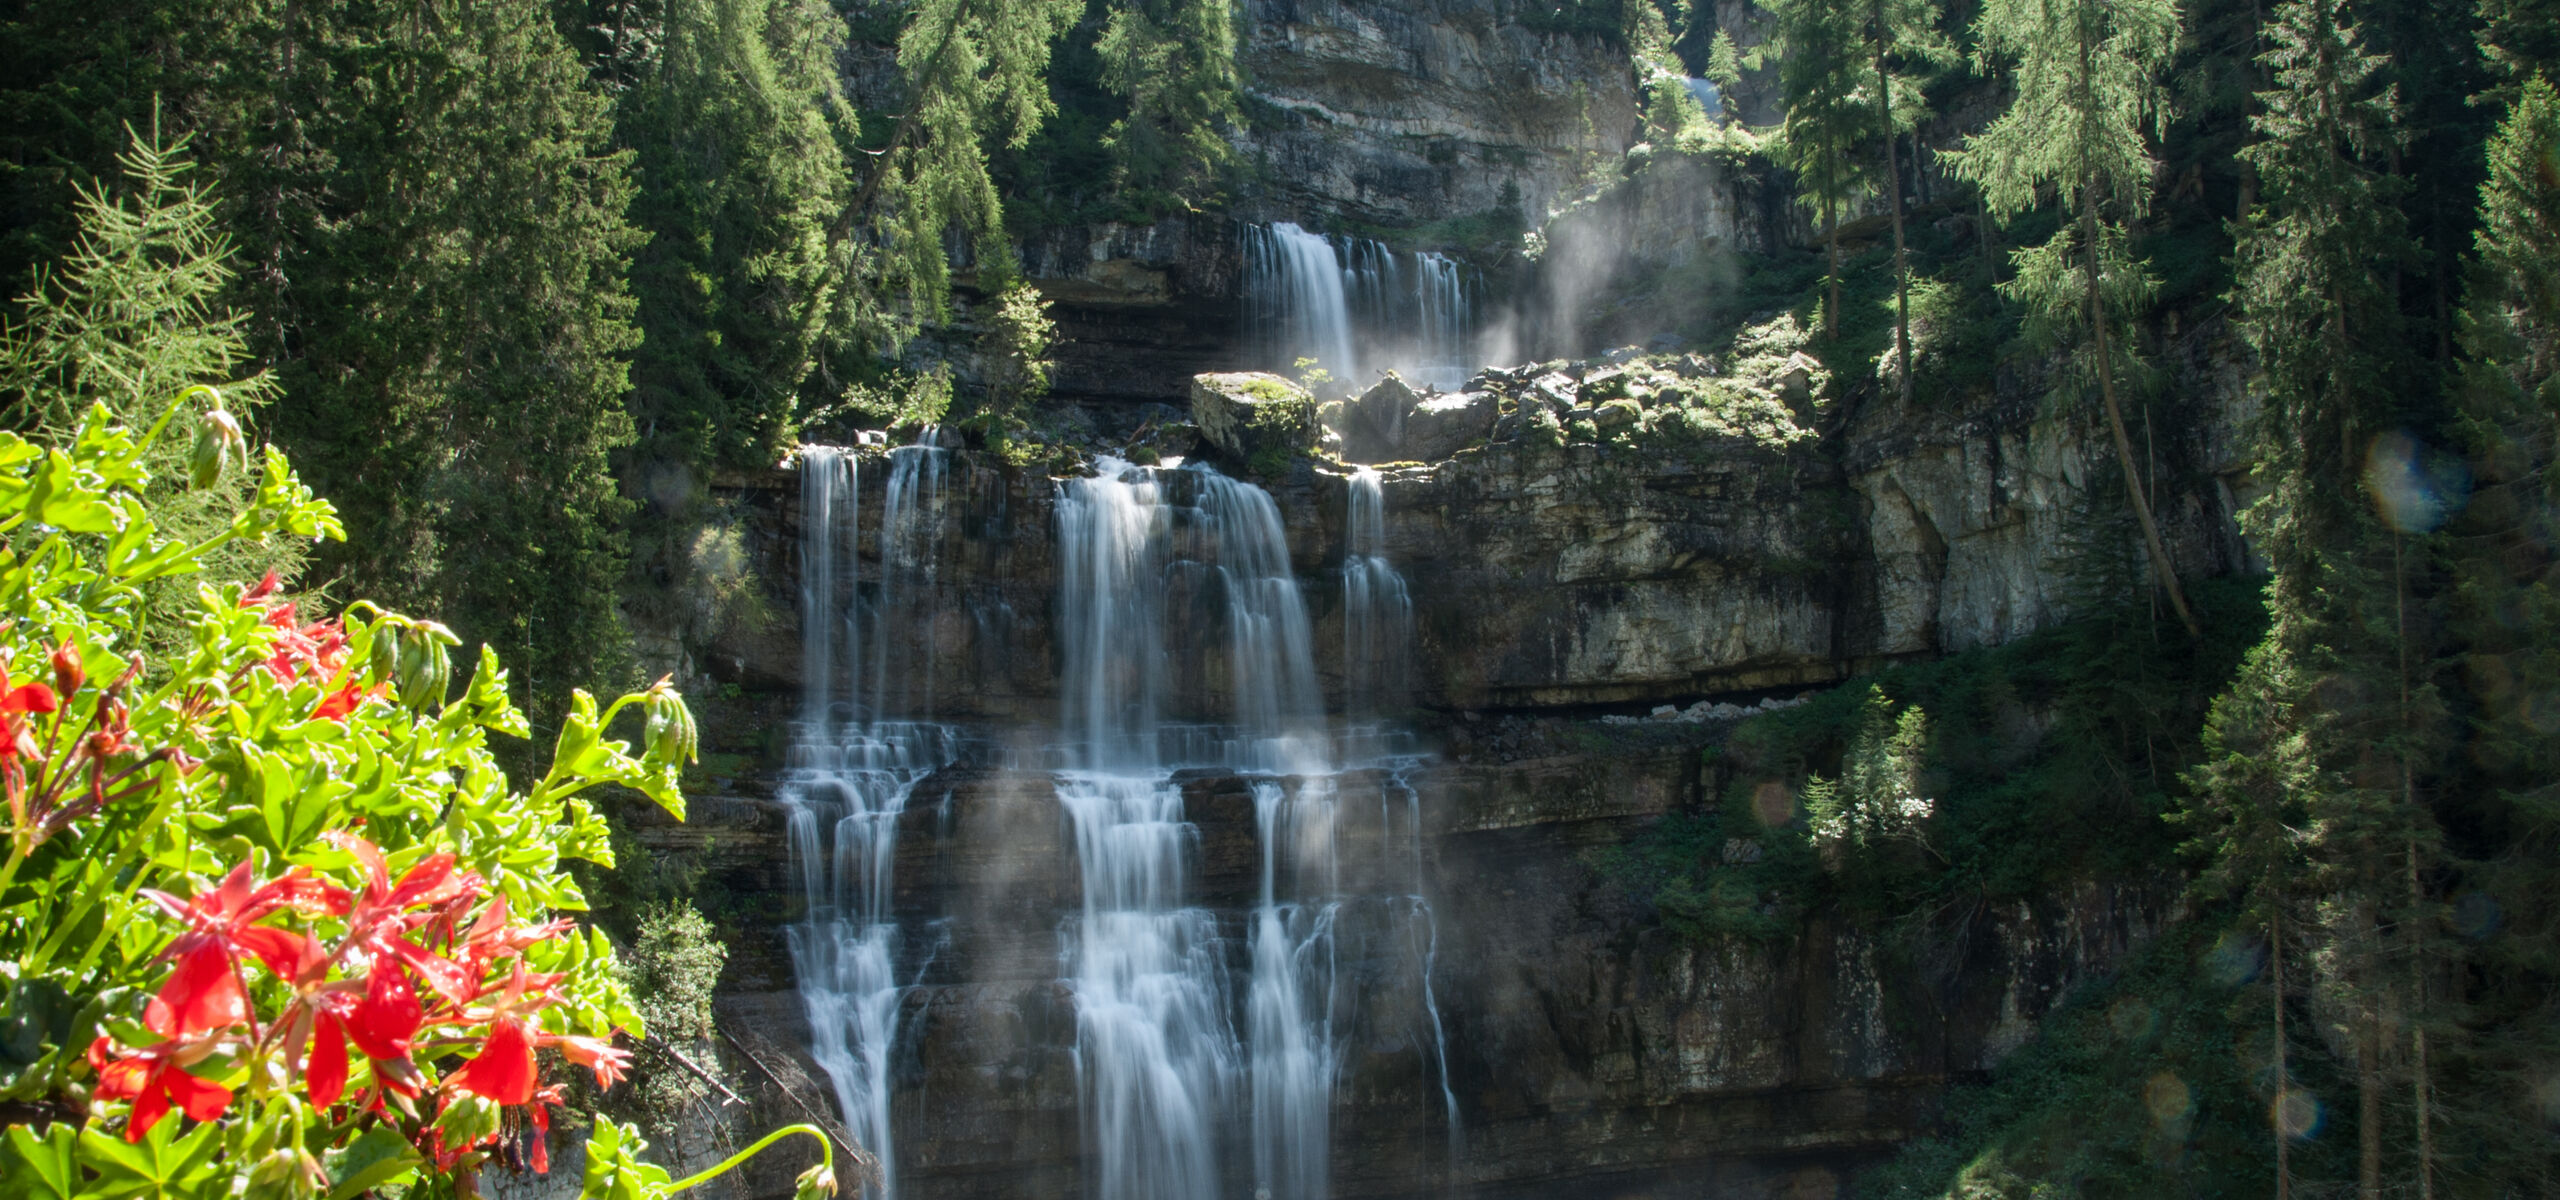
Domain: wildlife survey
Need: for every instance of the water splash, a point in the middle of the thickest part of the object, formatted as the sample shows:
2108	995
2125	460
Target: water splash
1156	1058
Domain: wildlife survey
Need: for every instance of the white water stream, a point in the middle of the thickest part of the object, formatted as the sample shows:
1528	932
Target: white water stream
856	754
1356	307
1186	643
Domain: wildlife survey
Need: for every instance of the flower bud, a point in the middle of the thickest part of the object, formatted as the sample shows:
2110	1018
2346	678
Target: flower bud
382	661
217	435
671	735
67	671
468	1120
816	1183
285	1174
425	673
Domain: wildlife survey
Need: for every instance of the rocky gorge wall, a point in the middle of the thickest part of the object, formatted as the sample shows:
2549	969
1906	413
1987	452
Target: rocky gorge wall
1585	1043
1360	114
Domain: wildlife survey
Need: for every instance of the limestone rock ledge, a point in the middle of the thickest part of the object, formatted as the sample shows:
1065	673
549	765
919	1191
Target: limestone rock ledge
1582	1045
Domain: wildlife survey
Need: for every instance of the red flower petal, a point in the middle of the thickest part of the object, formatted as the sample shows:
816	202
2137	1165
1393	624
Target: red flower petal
336	705
28	698
200	995
445	976
282	951
151	1104
503	1072
326	1073
597	1054
264	588
432	881
203	1100
382	1023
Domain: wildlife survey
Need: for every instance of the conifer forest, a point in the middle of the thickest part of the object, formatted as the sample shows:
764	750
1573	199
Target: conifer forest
1279	599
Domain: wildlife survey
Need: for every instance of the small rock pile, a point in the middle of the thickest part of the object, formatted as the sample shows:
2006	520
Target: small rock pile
1702	712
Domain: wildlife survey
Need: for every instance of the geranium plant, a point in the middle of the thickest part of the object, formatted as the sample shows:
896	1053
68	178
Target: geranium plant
273	920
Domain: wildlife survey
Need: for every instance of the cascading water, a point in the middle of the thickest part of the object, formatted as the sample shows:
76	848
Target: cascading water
1178	594
1291	1003
1377	614
1155	1057
1377	640
852	765
1159	1060
1200	1040
1356	307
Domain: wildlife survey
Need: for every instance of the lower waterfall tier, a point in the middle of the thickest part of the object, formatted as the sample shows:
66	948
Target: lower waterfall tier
1582	1044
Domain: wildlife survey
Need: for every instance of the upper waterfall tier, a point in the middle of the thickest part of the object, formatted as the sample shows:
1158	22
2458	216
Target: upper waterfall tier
1356	308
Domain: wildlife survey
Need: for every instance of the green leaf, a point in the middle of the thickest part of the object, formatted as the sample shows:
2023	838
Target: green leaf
47	1166
377	1158
62	501
162	1166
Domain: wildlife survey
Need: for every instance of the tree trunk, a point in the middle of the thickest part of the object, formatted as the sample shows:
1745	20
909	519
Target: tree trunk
2419	1097
2416	916
2160	564
2284	1081
1901	254
2368	1087
1831	241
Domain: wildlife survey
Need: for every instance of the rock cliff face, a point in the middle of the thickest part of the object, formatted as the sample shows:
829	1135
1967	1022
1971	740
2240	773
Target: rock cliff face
1362	112
1583	1044
1404	113
1564	1039
1583	1048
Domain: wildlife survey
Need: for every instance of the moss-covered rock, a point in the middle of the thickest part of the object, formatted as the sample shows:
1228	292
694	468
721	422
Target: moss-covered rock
1250	416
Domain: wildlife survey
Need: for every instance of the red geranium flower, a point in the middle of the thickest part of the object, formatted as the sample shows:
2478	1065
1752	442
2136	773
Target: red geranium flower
503	1071
596	1054
155	1081
349	697
204	992
380	916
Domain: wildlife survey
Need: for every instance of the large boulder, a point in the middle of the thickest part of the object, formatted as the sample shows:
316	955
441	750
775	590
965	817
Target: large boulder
1372	423
1392	423
1245	414
1443	425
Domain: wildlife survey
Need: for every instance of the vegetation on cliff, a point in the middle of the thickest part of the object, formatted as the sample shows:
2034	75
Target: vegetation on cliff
515	283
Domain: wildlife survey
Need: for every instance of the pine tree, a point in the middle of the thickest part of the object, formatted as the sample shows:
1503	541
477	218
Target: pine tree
133	318
1175	63
2506	618
2085	74
737	121
2348	726
1899	35
975	77
1821	70
434	224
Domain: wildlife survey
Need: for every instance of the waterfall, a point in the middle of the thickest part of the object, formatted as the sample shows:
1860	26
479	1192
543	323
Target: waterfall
1155	1055
1356	307
1377	640
1377	614
1159	1061
853	762
1291	1003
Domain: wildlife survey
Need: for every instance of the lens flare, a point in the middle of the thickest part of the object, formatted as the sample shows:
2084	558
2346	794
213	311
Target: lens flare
2296	1114
2132	1019
2167	1099
1774	803
2234	959
2413	487
2476	915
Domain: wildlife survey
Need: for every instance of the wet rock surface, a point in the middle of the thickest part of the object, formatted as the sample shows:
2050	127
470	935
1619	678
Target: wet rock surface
1585	1047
